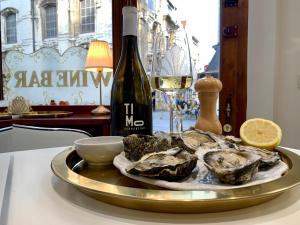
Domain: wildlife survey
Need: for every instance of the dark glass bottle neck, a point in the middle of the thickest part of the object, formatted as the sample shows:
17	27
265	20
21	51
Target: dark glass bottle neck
129	44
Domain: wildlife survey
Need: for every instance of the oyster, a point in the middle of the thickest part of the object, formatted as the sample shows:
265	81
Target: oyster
268	158
171	165
176	141
232	166
233	139
137	145
196	138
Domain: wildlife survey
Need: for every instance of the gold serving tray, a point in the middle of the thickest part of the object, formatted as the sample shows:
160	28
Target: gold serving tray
5	116
109	185
46	114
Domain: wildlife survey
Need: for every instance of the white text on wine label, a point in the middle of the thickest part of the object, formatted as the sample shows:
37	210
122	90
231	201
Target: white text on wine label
129	116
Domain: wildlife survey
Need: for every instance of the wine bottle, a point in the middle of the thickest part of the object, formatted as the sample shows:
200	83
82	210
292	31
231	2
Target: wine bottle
131	100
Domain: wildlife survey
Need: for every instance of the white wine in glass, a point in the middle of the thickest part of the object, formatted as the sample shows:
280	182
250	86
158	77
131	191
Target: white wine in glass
171	83
171	65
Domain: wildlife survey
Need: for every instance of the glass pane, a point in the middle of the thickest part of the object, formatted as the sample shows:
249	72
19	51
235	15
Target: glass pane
88	12
83	21
87	16
51	25
11	33
159	33
51	66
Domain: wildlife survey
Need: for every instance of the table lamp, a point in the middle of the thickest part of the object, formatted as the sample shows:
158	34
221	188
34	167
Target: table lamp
99	60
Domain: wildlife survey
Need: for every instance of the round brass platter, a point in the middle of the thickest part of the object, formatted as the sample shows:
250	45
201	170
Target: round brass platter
46	114
108	185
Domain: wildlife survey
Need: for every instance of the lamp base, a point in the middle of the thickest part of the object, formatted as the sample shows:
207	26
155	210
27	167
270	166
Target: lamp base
100	111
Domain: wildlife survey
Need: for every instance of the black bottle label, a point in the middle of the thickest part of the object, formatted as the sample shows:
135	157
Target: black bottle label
130	122
133	119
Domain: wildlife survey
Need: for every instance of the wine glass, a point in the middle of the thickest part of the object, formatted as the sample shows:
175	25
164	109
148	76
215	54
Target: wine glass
171	69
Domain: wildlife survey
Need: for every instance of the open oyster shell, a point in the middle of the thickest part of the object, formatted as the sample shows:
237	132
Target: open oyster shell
232	166
176	141
197	138
137	145
268	158
171	165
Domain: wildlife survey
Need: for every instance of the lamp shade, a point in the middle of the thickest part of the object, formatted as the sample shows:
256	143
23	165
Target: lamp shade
99	57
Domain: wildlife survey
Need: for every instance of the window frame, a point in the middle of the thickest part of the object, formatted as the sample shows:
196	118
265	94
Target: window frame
86	17
233	66
13	29
4	14
45	20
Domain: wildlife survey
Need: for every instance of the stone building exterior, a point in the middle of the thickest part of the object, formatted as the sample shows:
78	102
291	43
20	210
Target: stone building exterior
56	23
29	25
155	16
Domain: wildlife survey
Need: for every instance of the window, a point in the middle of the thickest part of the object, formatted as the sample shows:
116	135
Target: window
87	16
51	65
11	32
79	16
50	23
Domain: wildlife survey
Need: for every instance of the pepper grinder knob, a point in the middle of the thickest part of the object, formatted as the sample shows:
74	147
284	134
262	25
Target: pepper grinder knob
208	89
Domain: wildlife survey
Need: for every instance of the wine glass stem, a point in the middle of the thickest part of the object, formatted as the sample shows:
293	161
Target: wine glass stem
180	125
178	122
171	116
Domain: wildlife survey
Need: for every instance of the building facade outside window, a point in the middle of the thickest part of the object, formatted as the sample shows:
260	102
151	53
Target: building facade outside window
87	16
50	21
49	50
11	31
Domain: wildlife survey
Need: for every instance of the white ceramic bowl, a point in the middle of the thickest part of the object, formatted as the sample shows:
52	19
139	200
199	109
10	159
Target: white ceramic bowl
99	151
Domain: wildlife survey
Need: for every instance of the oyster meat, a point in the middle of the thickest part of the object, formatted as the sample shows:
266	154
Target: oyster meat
232	166
171	165
268	158
196	138
176	141
137	145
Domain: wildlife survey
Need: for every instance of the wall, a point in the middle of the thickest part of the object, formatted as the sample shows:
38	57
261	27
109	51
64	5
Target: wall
287	86
273	59
262	38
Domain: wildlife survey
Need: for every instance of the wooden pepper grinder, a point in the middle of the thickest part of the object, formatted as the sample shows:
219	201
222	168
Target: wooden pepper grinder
208	89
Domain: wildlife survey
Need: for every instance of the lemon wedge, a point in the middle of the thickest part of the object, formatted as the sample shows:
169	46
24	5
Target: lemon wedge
261	133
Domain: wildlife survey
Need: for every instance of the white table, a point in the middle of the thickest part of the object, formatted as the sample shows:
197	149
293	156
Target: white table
34	196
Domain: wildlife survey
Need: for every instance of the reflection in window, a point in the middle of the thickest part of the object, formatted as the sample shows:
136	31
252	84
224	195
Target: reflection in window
11	32
87	16
56	70
51	25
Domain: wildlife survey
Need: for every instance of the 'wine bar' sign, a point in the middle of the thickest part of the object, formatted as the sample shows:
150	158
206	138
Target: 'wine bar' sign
46	75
